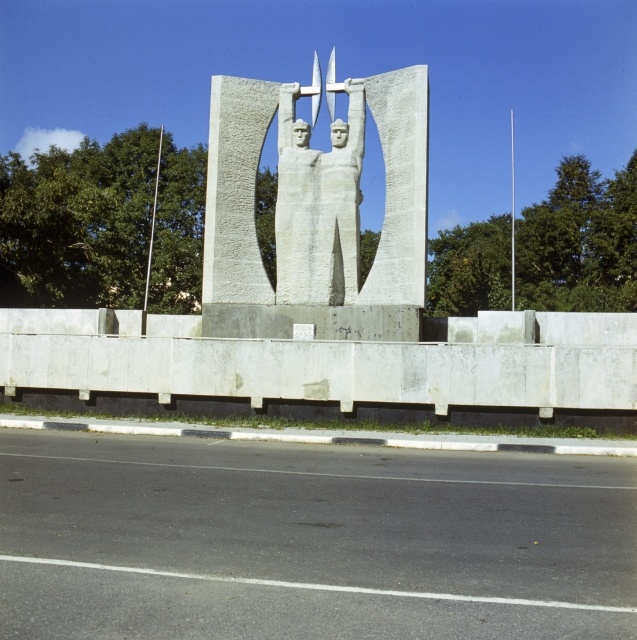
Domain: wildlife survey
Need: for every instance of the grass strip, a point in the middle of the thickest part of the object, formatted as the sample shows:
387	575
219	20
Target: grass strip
262	421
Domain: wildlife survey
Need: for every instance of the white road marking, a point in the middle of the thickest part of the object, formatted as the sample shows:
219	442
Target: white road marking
321	475
424	595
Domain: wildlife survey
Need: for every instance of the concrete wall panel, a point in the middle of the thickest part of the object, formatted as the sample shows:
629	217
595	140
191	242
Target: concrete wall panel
139	367
438	374
317	370
383	366
513	376
565	384
537	381
415	360
487	375
159	364
173	326
462	380
182	362
462	374
129	322
5	356
20	360
120	366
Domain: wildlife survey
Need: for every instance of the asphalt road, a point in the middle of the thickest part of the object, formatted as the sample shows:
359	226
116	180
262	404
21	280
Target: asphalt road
301	541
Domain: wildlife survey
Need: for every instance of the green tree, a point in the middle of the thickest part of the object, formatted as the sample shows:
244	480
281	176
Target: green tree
75	227
43	224
369	245
470	269
554	238
613	241
265	209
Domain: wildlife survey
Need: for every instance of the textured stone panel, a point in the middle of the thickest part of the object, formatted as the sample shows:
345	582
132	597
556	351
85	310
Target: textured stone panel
173	326
383	364
414	373
462	376
241	112
399	102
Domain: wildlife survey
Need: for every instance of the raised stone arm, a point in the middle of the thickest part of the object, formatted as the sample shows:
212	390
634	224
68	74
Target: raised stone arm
288	95
356	116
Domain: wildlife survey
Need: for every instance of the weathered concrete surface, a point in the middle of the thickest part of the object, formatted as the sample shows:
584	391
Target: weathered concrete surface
399	102
241	112
506	327
50	321
400	324
119	322
168	326
541	327
462	330
613	329
345	371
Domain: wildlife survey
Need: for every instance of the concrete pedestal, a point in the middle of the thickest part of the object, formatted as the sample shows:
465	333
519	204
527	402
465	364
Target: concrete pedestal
377	323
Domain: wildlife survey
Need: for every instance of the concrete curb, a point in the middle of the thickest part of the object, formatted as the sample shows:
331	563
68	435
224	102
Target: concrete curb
468	443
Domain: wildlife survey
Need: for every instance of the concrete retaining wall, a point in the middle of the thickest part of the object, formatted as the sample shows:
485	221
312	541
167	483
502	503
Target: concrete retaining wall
88	322
49	321
173	326
348	372
542	327
612	329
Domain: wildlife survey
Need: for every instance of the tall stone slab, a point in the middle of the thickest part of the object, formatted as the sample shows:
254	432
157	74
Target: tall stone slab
399	102
241	112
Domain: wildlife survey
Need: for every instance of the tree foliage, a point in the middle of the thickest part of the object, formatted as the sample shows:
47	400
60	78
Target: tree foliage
575	251
75	231
75	227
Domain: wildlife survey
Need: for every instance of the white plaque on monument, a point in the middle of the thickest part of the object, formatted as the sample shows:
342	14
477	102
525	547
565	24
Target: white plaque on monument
304	332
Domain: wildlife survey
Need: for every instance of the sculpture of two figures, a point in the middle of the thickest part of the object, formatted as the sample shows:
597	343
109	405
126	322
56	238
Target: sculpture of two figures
317	213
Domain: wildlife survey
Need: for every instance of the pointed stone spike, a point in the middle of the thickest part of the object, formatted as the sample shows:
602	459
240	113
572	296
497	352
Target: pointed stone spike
330	78
316	82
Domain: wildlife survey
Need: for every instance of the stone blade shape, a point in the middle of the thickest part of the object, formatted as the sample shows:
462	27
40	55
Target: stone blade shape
330	78
316	82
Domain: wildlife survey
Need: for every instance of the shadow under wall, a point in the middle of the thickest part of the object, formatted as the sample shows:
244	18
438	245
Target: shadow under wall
191	407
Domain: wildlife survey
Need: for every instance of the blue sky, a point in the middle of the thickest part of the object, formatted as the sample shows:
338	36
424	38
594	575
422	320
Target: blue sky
568	69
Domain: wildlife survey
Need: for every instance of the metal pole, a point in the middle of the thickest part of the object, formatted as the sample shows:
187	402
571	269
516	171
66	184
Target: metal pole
512	217
152	232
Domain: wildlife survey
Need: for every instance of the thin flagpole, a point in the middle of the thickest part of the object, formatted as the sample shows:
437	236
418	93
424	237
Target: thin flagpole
152	232
512	217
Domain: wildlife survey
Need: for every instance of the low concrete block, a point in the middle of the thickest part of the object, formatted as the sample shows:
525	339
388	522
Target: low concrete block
170	326
129	322
506	327
441	410
462	330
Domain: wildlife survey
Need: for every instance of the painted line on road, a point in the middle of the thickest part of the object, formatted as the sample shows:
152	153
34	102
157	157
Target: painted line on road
424	595
318	474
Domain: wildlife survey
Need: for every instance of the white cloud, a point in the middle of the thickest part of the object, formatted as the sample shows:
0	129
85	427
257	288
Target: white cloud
35	138
447	220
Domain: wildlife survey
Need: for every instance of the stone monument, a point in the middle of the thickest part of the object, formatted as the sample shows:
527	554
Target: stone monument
317	214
